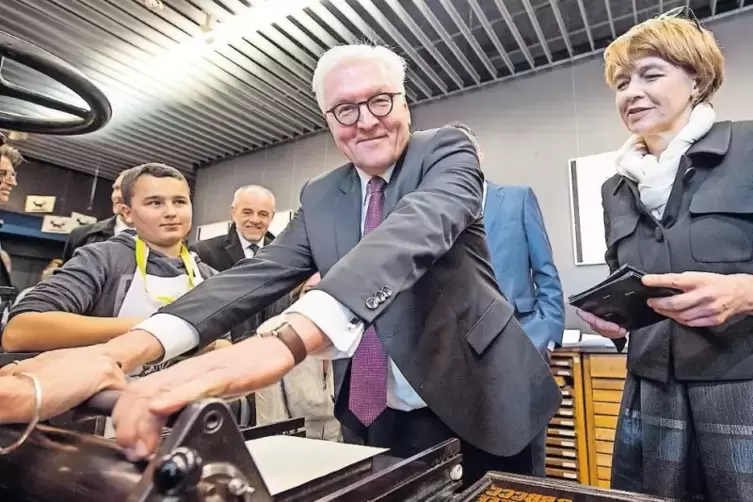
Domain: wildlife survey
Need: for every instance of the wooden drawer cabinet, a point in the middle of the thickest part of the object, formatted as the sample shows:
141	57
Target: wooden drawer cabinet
604	380
566	450
580	437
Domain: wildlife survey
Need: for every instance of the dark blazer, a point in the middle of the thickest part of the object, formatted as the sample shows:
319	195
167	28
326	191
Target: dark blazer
423	277
223	252
708	227
523	262
87	234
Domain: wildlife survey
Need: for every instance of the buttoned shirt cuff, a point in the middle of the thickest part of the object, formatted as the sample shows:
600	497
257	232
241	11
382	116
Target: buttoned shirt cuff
176	335
343	328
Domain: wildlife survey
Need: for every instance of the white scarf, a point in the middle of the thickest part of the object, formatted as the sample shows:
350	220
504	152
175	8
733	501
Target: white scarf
655	176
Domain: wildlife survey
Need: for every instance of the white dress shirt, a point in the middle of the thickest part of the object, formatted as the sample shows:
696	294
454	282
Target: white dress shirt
246	245
337	322
120	225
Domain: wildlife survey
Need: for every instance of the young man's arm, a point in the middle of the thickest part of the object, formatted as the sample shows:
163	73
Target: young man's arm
54	314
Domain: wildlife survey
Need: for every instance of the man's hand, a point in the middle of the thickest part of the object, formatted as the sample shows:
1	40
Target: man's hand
707	299
230	372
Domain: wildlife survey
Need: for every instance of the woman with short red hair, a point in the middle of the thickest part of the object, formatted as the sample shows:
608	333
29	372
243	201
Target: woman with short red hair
681	208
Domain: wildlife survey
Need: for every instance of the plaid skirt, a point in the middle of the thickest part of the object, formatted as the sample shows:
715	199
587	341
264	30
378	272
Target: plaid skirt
685	441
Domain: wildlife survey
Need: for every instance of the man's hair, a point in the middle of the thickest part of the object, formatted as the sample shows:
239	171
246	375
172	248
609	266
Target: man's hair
9	152
468	131
131	176
252	188
680	42
341	55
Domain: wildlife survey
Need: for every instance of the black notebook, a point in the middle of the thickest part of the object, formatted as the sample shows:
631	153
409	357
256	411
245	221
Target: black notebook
621	298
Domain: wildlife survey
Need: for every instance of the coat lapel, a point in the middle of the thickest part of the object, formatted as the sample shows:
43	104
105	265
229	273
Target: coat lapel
233	245
347	216
391	193
493	205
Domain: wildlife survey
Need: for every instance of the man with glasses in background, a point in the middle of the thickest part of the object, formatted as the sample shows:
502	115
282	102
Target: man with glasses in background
10	158
425	347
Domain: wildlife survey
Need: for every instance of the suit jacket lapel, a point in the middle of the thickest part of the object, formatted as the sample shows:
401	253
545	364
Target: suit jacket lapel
492	205
391	193
347	216
233	245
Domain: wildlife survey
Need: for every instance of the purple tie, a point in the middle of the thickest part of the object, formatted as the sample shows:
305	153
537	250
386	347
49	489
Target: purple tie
368	367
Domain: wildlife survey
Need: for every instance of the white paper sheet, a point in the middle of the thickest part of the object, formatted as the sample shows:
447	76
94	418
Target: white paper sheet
289	461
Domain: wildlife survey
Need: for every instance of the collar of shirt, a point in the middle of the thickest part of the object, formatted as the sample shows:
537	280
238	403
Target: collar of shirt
483	197
245	243
365	178
120	225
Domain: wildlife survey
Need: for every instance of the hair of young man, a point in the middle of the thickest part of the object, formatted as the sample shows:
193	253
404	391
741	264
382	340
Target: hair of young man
132	175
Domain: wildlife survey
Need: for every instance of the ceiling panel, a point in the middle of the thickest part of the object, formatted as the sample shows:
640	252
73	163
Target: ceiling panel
193	82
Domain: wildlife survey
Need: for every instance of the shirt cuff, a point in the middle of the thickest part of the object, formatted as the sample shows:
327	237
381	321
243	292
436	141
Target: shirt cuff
343	328
176	335
551	345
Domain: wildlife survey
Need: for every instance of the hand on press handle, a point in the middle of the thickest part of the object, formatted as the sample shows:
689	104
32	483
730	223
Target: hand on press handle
600	326
68	377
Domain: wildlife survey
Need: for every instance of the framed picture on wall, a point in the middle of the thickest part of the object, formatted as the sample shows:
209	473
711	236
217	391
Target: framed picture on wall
210	230
280	221
586	175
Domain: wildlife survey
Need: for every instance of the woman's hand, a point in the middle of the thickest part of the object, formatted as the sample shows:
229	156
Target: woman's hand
706	299
68	378
604	328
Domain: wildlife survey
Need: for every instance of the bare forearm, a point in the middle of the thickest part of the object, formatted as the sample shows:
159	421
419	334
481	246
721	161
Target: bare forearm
16	400
41	331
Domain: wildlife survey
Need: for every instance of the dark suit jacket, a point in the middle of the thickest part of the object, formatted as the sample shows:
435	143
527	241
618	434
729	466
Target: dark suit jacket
87	234
223	252
708	227
423	278
523	263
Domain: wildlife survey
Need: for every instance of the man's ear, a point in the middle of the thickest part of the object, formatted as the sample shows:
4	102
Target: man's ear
125	213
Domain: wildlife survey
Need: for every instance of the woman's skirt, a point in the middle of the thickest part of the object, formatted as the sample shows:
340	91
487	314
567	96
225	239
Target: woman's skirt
685	441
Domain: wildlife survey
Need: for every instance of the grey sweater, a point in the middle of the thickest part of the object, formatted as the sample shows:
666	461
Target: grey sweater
95	280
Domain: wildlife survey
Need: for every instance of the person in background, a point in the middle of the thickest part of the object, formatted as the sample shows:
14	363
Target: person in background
680	209
109	287
10	158
101	230
524	267
307	391
252	211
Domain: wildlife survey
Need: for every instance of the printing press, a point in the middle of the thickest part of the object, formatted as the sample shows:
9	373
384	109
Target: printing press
206	457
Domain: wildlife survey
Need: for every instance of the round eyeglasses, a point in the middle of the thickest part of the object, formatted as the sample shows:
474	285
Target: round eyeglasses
379	105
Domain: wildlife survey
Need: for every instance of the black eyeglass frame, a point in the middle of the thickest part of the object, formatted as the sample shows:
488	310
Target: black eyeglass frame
682	12
366	102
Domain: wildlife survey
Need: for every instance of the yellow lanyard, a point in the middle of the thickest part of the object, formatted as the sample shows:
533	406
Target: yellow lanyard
142	253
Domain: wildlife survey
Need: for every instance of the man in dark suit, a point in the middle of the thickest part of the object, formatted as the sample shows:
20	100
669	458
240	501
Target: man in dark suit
252	211
426	347
101	230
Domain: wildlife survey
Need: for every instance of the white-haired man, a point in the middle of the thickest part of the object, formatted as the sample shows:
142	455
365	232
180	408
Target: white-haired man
251	212
426	347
